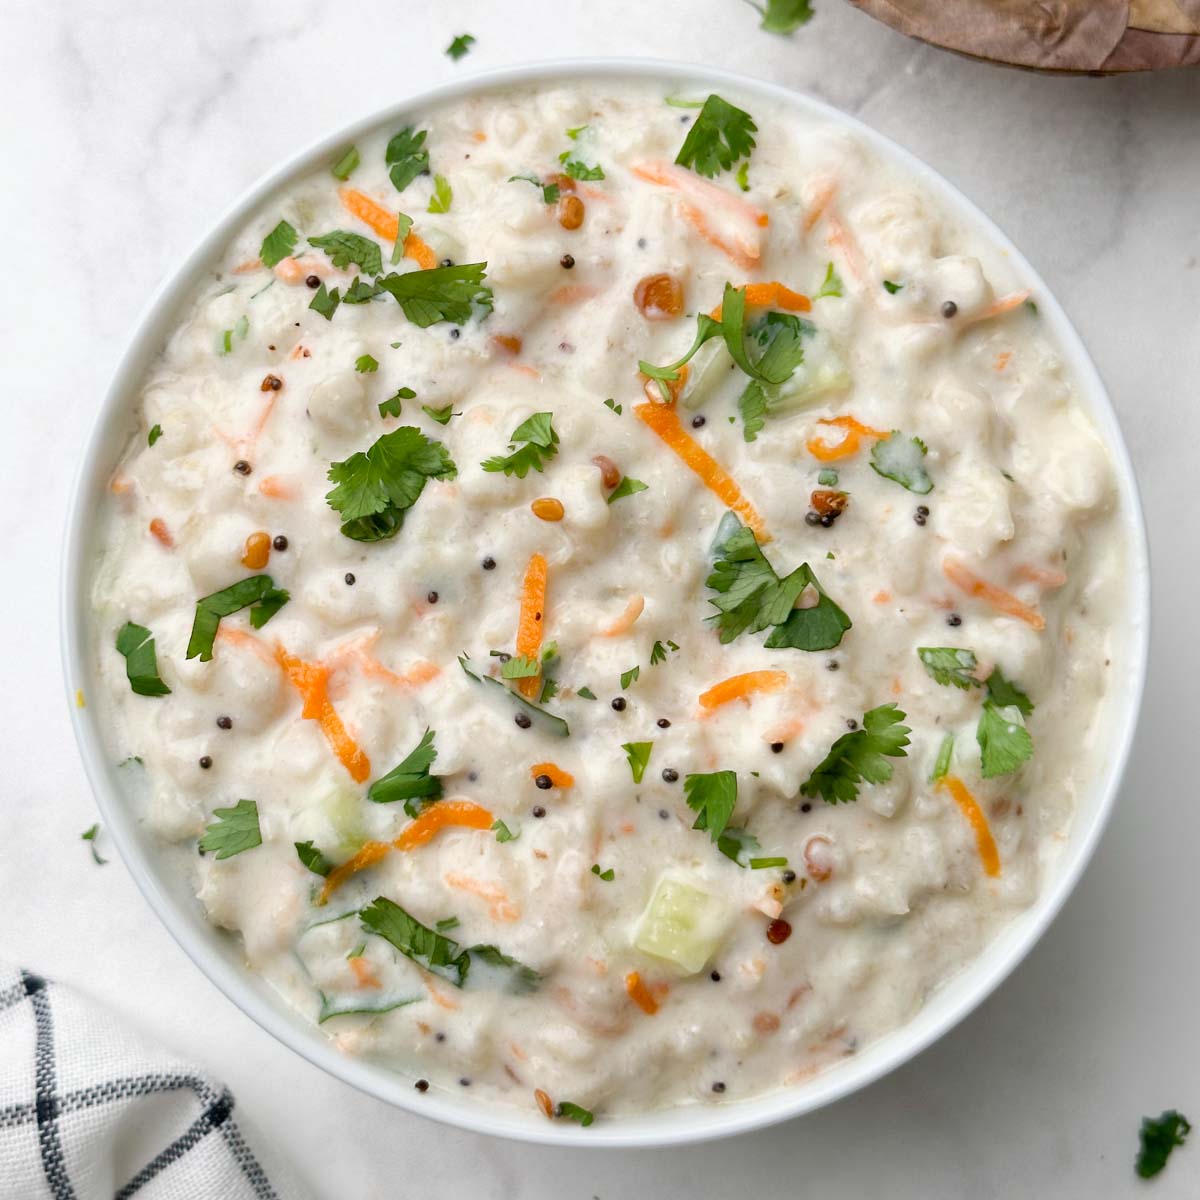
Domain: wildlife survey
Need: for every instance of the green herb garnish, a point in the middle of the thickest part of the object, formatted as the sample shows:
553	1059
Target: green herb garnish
783	16
89	836
831	285
541	445
443	195
325	302
719	136
346	165
860	756
713	797
154	434
574	1112
950	666
365	364
440	293
136	644
235	829
278	245
460	46
902	460
1158	1137
627	487
391	406
258	593
406	157
344	248
638	754
312	858
410	780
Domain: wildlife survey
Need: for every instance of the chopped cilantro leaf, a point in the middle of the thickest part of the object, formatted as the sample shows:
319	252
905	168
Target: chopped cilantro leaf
1004	742
1004	692
950	666
608	876
278	245
346	165
630	676
440	415
440	293
549	190
574	1112
403	224
577	169
858	756
443	195
827	477
136	644
752	407
784	16
612	404
892	288
1158	1136
503	834
241	327
364	364
762	864
831	285
743	175
360	291
460	46
738	845
89	836
720	135
901	459
375	488
627	487
446	924
410	779
638	754
258	593
680	102
154	434
427	948
751	597
312	858
541	444
520	667
344	248
235	829
391	406
325	302
713	797
658	652
521	979
585	693
406	157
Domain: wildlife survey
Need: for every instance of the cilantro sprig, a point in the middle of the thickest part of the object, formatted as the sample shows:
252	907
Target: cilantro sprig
638	754
950	666
258	593
720	135
451	294
235	829
136	644
410	779
344	248
541	445
278	244
751	597
406	157
1004	742
860	756
713	797
312	858
375	489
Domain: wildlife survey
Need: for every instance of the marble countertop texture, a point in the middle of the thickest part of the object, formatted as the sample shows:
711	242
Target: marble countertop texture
130	124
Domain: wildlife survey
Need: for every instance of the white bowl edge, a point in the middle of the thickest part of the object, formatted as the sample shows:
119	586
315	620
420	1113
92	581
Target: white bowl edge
217	955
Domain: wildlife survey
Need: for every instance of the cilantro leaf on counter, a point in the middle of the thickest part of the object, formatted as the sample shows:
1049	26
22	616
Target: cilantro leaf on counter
720	135
410	779
440	415
503	834
312	858
426	947
234	830
751	596
638	754
549	190
541	444
375	488
860	756
406	157
346	165
440	293
1005	693
258	593
135	643
627	487
278	244
784	16
1158	1136
892	288
950	666
1004	742
630	676
344	248
608	876
325	302
713	797
391	406
831	285
460	46
574	1112
154	434
366	364
443	195
89	836
902	460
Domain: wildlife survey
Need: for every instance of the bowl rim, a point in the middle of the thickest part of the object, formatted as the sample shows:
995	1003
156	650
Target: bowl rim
685	1124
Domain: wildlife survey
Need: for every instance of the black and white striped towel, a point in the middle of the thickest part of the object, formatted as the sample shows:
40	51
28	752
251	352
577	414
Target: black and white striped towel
90	1110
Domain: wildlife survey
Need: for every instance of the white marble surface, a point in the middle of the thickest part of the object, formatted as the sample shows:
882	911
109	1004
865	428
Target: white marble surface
128	124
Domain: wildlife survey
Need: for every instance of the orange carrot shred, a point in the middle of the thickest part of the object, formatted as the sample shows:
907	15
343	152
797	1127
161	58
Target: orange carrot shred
557	776
770	295
742	687
311	680
364	973
850	444
367	856
634	608
443	815
663	420
988	854
967	581
532	620
639	993
387	225
161	534
999	307
277	487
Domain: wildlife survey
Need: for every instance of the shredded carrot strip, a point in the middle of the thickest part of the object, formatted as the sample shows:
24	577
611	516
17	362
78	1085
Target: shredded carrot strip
445	814
500	907
842	239
557	776
367	856
440	997
532	620
161	534
543	1102
820	204
742	687
277	487
771	295
1046	576
572	293
784	732
247	641
626	621
967	581
251	264
639	993
387	225
508	342
850	444
311	680
999	307
120	484
663	420
988	854
364	973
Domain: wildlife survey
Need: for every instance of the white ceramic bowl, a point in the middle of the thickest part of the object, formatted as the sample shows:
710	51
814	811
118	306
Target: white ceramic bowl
218	955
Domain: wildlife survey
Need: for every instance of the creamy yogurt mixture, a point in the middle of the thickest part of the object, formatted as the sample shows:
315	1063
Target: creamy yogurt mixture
594	736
